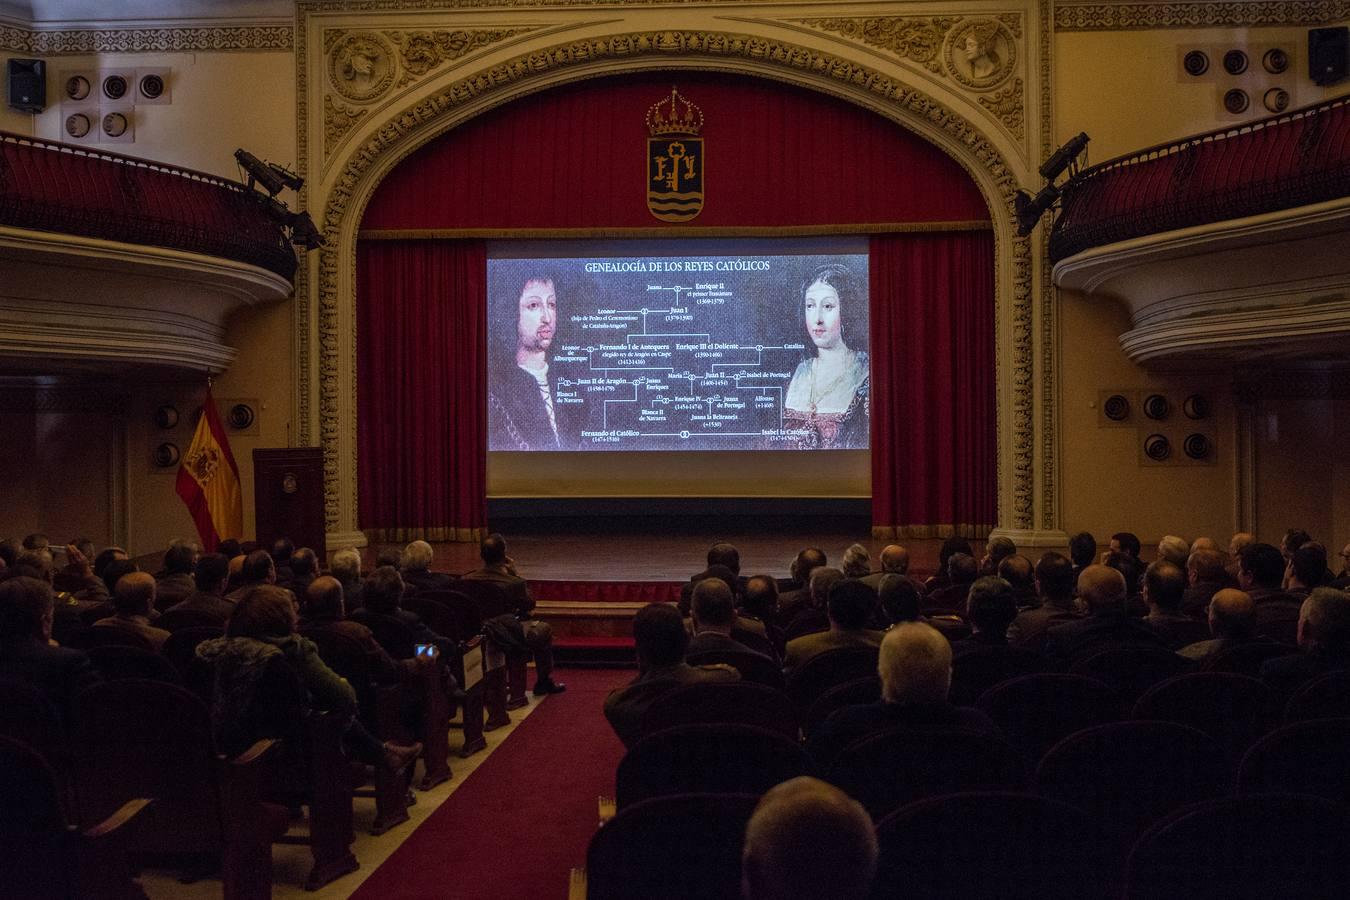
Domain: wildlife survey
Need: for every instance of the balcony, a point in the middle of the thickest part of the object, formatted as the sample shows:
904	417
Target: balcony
111	261
1226	246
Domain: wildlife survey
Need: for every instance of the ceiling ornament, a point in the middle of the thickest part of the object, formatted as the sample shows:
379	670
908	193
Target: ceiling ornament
980	53
361	65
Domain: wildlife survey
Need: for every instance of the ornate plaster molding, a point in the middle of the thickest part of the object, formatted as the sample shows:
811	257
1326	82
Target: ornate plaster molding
1049	337
1230	14
406	129
146	40
1006	105
422	51
338	119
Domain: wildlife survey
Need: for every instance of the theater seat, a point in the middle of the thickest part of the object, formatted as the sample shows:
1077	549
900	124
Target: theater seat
851	693
1325	697
732	703
1310	757
1035	712
1233	709
833	667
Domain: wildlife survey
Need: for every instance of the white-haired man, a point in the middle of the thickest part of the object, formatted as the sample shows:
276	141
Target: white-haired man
415	567
915	665
346	568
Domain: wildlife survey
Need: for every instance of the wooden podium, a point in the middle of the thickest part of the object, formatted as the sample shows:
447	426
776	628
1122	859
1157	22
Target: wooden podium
288	497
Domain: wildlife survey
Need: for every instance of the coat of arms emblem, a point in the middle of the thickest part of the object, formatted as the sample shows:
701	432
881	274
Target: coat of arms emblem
674	159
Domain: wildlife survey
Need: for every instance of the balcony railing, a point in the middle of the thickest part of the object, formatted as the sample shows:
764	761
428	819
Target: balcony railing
1293	159
50	186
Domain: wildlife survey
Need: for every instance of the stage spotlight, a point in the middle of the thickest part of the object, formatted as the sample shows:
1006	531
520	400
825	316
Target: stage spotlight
303	231
1030	209
259	173
1061	158
288	178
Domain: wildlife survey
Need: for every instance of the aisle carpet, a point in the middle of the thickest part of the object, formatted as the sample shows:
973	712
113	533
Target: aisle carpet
523	819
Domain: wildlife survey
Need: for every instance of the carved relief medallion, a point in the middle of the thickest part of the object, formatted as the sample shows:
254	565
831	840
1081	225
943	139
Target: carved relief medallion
980	53
361	66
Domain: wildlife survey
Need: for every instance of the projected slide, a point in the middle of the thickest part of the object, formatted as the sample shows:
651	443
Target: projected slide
678	352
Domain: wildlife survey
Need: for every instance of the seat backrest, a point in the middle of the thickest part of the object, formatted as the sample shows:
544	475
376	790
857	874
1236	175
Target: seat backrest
29	801
1131	670
146	738
1233	709
983	844
492	599
753	667
1128	774
671	848
180	649
345	656
755	641
1300	758
1035	712
1250	847
735	703
1325	697
395	637
808	622
115	661
468	617
833	667
975	672
715	758
28	717
1246	658
851	693
897	766
176	619
102	636
436	615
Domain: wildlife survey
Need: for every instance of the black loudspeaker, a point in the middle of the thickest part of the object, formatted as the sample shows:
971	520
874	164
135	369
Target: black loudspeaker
1328	54
28	85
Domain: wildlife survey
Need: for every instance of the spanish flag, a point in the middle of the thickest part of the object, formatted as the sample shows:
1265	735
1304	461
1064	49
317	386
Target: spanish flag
208	481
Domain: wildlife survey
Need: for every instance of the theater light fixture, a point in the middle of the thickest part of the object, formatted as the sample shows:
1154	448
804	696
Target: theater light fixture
273	179
1029	208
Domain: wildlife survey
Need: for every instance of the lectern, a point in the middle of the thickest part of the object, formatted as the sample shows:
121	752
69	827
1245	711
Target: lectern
288	497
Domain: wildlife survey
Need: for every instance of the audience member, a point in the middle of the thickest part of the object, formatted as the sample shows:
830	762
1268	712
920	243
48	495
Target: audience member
384	597
37	541
962	570
1125	542
714	614
1261	573
719	554
1083	552
1205	576
176	583
26	651
899	599
1164	587
1174	549
849	607
390	557
759	602
995	551
228	548
950	547
1055	591
661	639
257	569
134	601
322	606
1107	624
209	580
346	568
1017	571
416	569
857	562
1204	543
536	635
991	607
814	614
1323	641
304	569
1237	545
1132	570
1232	622
282	548
795	596
894	561
262	628
806	840
1292	540
1307	569
9	551
1343	576
915	665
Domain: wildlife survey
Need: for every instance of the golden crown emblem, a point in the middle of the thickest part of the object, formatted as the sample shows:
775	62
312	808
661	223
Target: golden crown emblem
674	115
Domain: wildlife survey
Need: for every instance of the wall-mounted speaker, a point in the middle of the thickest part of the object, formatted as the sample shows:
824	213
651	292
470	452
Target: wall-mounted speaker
1157	447
166	416
165	455
1195	406
1157	407
1328	54
241	415
27	81
1197	446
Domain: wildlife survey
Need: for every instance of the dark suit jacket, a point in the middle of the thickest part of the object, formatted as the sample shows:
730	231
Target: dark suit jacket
625	706
1286	674
801	649
210	604
1030	628
854	723
953	596
1099	632
517	591
874	581
423	580
58	673
384	669
1177	630
1195	602
171	590
705	641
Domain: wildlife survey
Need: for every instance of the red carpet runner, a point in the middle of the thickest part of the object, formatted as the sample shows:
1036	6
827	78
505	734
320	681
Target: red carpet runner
524	818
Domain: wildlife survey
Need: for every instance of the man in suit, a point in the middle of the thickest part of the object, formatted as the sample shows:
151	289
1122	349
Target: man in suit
346	568
796	594
1232	622
209	578
915	664
175	584
1102	591
720	556
661	639
991	607
416	569
134	601
500	570
1083	552
894	561
808	839
524	409
26	651
304	569
322	607
1054	590
813	615
714	613
962	570
1164	586
857	562
849	606
1017	571
257	568
1323	639
384	597
1205	576
1261	573
997	550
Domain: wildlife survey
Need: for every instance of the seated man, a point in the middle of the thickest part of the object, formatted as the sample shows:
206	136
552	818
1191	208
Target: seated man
416	570
176	583
808	839
714	613
1018	572
256	569
991	607
210	576
962	570
1054	590
384	597
134	601
304	569
1323	639
1232	622
795	595
1164	588
899	599
500	570
894	561
346	568
658	631
322	607
850	610
1205	577
916	676
1107	624
26	651
719	554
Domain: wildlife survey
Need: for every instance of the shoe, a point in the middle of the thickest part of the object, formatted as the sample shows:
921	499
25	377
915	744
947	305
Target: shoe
548	686
472	747
398	757
493	725
518	702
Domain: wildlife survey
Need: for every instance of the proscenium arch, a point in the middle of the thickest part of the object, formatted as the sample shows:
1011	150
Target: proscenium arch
405	130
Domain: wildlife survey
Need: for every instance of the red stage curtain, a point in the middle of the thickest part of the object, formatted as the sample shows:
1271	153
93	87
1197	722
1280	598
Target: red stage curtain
575	158
933	415
421	323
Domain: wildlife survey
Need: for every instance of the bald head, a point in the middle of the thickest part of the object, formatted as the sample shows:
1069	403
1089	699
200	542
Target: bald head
1239	542
323	597
1232	614
134	594
895	559
1204	543
808	839
915	664
1102	589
